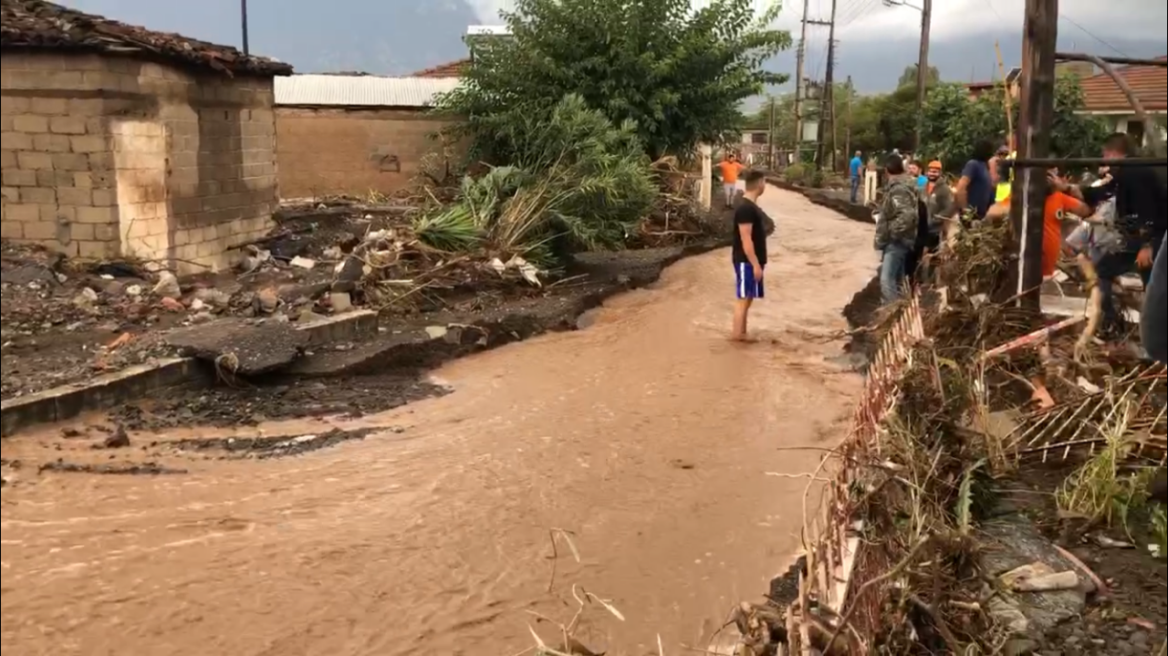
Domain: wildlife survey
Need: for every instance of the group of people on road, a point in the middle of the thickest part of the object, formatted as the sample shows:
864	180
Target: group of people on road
1121	224
1122	217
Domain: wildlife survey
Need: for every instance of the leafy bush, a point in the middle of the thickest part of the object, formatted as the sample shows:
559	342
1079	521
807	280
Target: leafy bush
796	174
578	182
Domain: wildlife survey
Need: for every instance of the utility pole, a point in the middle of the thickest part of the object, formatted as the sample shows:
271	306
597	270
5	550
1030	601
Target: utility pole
243	20
799	90
848	120
1040	34
923	71
771	139
827	105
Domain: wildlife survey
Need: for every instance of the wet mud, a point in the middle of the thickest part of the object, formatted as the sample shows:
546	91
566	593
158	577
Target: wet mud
679	461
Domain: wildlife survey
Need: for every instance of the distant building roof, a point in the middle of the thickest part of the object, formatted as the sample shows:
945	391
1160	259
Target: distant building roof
447	70
1011	78
1150	84
360	91
36	24
488	30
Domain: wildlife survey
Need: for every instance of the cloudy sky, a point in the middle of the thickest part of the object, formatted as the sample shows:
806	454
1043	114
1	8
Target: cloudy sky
875	42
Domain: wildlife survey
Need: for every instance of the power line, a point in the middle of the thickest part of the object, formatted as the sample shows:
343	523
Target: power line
1092	35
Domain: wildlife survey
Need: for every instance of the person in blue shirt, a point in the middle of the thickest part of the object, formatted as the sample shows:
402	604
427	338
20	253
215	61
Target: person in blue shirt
914	169
975	189
856	169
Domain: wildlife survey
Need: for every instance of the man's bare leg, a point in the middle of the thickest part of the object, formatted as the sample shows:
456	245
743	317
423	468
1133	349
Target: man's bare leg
741	309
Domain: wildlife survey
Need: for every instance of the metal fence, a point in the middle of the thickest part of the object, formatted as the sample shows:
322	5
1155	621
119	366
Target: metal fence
836	557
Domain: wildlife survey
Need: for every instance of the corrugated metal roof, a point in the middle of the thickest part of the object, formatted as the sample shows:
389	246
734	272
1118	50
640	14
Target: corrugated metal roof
363	91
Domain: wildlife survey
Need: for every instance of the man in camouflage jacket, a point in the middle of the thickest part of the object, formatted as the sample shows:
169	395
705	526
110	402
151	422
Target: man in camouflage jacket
896	232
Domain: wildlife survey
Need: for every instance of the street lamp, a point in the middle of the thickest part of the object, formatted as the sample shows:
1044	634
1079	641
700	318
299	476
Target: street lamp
923	62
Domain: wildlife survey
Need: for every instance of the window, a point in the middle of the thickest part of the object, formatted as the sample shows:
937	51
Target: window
758	137
1135	129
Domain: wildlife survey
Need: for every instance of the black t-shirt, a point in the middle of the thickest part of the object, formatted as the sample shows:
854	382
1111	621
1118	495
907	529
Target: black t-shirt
750	214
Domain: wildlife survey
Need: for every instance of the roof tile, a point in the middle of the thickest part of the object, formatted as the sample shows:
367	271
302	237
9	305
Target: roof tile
449	69
1150	84
45	25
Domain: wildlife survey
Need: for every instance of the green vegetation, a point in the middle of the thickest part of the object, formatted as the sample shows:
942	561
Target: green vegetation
582	183
952	122
677	74
577	103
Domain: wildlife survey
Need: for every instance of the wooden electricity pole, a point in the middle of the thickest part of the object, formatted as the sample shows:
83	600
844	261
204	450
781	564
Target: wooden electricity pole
799	89
1034	123
922	72
771	138
827	101
848	121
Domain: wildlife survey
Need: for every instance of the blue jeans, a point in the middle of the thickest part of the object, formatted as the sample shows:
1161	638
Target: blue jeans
893	270
855	187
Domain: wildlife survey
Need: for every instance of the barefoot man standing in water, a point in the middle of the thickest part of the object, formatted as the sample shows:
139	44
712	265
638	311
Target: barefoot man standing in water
749	252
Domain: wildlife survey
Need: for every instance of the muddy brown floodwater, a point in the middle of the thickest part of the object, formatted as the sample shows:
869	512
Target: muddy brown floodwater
647	434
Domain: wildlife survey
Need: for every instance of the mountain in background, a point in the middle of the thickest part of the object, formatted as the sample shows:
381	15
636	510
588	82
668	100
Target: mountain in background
394	37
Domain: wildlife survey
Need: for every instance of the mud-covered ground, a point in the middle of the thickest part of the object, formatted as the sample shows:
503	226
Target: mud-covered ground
1129	618
68	321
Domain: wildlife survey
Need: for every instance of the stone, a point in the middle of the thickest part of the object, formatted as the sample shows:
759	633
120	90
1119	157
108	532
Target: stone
167	286
349	271
1020	647
303	262
213	297
197	305
134	290
341	302
266	301
436	332
118	440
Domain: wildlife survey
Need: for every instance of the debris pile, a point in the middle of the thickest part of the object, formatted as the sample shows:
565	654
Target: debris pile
1003	499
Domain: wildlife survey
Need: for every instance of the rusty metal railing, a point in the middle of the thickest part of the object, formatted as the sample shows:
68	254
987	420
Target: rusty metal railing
835	554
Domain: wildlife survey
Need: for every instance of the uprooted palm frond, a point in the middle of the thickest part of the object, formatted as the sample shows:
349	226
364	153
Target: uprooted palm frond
452	229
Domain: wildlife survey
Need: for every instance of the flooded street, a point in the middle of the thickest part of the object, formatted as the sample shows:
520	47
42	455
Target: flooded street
648	435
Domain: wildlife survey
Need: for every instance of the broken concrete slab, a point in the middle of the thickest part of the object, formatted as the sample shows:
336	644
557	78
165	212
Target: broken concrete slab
242	347
1012	542
108	390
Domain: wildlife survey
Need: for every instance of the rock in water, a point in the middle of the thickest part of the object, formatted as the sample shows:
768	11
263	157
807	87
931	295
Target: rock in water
119	439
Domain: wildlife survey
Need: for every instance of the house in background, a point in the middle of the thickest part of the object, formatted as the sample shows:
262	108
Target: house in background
352	135
1102	97
123	141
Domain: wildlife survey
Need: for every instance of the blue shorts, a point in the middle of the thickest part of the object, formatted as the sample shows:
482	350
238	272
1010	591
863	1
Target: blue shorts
747	286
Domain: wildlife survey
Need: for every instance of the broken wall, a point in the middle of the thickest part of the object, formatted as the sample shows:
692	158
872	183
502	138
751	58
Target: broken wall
106	156
327	151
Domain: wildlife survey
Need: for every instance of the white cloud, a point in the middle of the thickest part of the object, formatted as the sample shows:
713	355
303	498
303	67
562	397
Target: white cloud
871	20
1080	19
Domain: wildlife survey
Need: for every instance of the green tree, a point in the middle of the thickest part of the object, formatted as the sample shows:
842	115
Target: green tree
954	124
678	74
909	77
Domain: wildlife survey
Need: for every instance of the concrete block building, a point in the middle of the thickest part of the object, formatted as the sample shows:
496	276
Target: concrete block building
121	141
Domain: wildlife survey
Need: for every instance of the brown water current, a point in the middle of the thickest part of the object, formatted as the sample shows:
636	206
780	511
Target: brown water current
647	434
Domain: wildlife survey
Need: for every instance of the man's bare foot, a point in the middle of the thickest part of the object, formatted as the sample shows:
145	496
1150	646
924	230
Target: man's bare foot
743	339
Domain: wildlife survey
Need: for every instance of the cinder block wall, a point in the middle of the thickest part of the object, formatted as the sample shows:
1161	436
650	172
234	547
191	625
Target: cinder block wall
324	151
106	156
